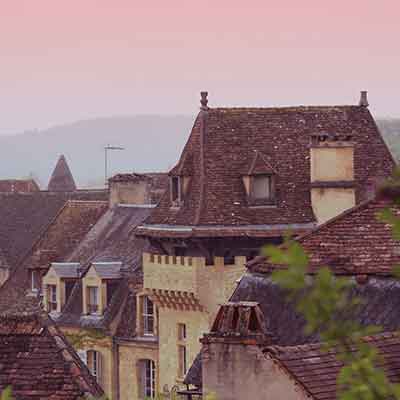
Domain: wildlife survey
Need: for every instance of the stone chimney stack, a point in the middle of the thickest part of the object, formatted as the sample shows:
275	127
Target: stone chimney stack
204	101
234	344
363	99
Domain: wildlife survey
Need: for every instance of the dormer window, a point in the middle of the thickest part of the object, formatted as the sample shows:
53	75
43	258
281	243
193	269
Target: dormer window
261	187
100	284
51	298
93	299
259	181
176	195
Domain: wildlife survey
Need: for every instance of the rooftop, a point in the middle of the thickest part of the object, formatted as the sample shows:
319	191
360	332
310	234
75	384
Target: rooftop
38	362
317	370
61	179
356	242
225	144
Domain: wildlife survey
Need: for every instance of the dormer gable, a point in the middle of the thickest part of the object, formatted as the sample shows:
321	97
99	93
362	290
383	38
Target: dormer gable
259	181
58	284
98	285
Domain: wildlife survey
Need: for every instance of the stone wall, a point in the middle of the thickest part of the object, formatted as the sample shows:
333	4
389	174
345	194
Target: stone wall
242	371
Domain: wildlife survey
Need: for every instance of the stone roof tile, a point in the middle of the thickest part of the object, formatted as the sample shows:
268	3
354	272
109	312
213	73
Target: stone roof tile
222	143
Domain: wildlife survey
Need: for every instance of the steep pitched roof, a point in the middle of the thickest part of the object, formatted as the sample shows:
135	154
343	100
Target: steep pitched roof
37	361
18	186
355	242
61	179
113	241
317	370
3	260
62	234
223	142
25	216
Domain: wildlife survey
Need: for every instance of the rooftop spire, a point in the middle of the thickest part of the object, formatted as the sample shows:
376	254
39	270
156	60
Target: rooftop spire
61	179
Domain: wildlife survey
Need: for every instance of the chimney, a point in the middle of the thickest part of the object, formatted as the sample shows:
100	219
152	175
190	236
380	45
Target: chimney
130	189
363	99
204	101
232	353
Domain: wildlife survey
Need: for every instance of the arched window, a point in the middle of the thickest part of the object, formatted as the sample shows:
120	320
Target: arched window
147	375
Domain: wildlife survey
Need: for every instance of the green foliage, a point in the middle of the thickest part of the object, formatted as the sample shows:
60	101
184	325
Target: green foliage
320	299
7	394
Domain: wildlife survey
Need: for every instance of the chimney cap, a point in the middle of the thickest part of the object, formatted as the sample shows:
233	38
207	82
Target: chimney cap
204	100
363	99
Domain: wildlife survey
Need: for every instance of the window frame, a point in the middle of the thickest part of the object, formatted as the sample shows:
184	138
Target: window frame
52	303
182	350
267	200
176	198
147	316
93	362
147	376
92	309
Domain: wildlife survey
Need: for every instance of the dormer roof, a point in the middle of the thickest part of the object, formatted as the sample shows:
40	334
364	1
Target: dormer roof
108	270
67	270
260	165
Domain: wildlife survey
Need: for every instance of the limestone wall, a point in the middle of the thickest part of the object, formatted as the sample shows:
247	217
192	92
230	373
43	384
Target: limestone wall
239	371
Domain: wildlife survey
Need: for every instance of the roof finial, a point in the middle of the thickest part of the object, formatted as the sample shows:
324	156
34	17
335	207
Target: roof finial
364	99
204	100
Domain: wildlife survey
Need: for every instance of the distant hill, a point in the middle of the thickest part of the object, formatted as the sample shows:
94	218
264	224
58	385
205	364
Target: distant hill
390	128
152	143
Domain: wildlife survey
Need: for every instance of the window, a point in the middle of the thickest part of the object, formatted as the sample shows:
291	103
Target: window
181	331
51	298
182	360
94	363
175	190
92	300
148	316
261	187
92	359
34	286
148	379
182	351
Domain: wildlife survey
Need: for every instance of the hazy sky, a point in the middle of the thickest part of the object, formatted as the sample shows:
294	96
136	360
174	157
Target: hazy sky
63	60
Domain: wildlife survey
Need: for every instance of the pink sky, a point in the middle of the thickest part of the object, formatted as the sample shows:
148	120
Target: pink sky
66	60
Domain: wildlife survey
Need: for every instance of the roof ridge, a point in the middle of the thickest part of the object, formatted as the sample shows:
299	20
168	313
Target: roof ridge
287	108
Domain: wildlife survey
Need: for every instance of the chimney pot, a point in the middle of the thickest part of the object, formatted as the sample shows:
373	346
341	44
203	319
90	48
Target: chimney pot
204	100
364	99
